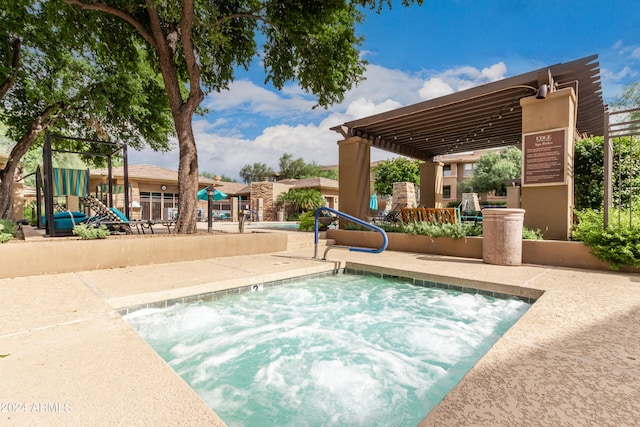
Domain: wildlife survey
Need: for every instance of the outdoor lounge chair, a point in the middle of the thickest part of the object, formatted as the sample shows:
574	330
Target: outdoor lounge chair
395	214
63	222
112	218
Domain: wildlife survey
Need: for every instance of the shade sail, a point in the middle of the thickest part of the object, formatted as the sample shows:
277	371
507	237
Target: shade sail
217	194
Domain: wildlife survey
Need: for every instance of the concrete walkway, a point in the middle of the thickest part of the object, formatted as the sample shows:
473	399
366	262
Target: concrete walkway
68	358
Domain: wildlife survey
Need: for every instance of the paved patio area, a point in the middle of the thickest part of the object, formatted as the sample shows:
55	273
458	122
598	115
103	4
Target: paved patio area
68	358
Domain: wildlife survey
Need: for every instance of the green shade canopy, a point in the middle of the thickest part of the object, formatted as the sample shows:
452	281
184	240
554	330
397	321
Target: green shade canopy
217	194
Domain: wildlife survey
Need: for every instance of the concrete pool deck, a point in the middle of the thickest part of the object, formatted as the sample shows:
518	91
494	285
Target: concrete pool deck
68	358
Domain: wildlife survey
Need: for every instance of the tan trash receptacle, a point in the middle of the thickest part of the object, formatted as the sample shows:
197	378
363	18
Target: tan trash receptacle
502	236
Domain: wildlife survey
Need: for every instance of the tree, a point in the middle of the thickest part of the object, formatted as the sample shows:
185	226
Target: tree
329	173
255	172
222	177
296	169
201	43
630	98
493	171
588	173
302	200
399	169
589	162
299	169
56	75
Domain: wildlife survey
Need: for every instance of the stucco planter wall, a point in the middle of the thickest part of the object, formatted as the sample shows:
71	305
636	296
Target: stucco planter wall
542	252
69	255
468	247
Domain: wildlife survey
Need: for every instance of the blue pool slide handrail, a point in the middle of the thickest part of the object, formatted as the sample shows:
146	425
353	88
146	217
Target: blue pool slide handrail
385	239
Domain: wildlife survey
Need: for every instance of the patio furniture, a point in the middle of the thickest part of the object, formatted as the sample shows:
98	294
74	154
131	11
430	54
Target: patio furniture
112	218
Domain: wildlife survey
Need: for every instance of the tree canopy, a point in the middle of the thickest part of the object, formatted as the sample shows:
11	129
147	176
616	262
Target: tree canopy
493	171
298	168
630	98
589	163
302	200
399	169
255	172
201	43
588	173
77	74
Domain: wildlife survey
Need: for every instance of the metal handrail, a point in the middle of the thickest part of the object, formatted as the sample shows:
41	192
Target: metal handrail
385	239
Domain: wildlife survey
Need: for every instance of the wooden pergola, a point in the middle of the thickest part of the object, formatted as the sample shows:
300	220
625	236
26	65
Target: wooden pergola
487	116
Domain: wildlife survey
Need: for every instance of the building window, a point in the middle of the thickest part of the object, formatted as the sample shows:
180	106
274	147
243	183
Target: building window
154	204
446	192
468	169
446	170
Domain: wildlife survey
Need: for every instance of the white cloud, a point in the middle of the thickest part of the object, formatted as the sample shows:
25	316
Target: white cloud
381	84
611	76
636	53
495	72
434	88
250	98
224	148
461	78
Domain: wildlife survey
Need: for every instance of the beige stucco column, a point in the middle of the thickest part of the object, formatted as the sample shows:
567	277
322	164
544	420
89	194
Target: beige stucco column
513	197
548	132
354	157
18	200
431	184
234	209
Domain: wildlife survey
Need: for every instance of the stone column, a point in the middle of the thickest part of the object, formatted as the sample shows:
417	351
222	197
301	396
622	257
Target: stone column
263	191
354	157
404	193
431	184
548	127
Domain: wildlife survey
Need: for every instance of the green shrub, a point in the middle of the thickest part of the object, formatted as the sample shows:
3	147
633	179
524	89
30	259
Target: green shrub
455	231
618	244
302	200
8	230
29	213
492	203
90	233
528	234
307	221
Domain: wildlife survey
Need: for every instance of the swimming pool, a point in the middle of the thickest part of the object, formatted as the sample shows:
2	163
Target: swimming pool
276	225
339	350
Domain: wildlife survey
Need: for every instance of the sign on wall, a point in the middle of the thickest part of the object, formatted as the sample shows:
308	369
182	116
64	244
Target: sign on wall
544	158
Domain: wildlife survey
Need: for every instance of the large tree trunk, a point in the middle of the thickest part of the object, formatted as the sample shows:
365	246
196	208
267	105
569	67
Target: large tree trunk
39	125
165	38
187	174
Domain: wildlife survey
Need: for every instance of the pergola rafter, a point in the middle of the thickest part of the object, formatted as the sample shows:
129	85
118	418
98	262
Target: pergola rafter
487	116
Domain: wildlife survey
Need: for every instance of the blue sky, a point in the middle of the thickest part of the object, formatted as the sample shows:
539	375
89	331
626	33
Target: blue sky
414	54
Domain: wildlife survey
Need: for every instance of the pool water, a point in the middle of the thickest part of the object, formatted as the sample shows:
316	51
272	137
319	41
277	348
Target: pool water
344	350
277	225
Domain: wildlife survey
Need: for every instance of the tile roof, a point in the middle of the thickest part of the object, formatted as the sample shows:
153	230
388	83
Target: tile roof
148	173
317	182
234	188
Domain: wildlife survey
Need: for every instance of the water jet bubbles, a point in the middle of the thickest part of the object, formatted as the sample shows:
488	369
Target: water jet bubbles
344	350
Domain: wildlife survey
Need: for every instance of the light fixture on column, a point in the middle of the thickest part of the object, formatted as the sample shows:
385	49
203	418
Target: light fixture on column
542	91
